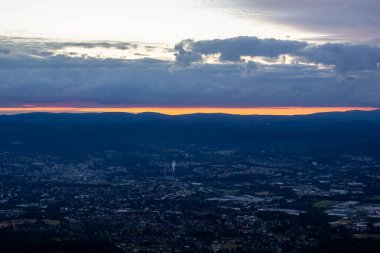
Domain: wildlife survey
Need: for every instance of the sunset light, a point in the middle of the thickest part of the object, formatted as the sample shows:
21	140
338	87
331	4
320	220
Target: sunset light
182	111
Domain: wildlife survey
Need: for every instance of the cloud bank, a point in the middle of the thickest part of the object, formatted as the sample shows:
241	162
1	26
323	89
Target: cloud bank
316	75
232	49
342	57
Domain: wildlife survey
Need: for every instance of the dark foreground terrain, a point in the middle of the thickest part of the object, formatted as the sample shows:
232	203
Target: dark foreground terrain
194	183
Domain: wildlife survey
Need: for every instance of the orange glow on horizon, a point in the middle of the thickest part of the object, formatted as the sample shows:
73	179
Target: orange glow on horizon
186	110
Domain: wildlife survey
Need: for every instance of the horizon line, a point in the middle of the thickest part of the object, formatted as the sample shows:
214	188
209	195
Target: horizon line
275	111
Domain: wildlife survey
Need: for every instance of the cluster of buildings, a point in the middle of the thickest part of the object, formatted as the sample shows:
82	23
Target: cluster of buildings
196	200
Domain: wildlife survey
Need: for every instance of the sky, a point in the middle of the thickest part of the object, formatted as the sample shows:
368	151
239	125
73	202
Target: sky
241	56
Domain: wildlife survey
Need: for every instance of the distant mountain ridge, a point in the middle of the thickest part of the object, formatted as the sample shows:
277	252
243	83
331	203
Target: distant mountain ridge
348	115
89	132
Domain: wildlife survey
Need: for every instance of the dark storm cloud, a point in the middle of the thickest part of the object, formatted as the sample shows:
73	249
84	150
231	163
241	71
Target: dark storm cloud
189	51
344	57
351	19
39	78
